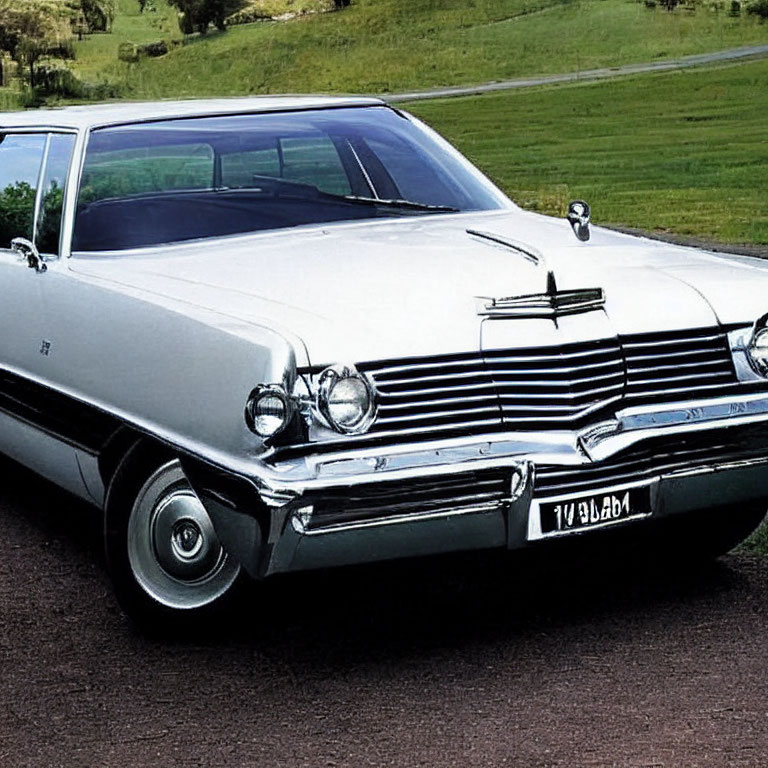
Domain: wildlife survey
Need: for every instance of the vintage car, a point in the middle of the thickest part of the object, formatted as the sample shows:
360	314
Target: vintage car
276	334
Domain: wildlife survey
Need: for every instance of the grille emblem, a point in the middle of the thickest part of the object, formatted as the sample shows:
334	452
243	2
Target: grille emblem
552	304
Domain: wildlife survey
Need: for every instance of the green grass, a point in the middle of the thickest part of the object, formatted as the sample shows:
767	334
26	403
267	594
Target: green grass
685	152
758	541
96	54
388	45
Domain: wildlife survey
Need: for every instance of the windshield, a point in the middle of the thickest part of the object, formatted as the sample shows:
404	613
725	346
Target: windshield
176	180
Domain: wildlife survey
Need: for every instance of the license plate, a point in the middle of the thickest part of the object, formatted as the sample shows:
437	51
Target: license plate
599	509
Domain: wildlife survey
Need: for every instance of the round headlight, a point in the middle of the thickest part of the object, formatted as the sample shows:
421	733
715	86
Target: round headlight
267	411
758	351
345	400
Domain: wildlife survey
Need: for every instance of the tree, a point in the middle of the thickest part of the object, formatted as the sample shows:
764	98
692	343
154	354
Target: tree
198	15
33	29
99	14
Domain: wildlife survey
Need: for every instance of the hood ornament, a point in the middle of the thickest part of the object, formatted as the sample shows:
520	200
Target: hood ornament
552	304
578	217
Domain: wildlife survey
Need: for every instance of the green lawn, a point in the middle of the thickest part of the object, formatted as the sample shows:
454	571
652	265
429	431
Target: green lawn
389	45
685	152
96	54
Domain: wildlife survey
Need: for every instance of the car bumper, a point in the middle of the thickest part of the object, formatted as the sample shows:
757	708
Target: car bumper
295	515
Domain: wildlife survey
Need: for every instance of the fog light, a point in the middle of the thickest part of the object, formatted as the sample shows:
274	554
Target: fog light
268	410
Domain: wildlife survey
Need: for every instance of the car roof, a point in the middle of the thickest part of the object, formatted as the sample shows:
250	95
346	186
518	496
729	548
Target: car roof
97	115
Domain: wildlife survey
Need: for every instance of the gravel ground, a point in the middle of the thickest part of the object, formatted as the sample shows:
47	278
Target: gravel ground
446	662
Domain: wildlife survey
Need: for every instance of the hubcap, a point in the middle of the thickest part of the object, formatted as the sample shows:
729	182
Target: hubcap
173	549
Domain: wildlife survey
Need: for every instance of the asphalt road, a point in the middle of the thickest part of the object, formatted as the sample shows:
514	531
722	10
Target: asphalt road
683	62
450	662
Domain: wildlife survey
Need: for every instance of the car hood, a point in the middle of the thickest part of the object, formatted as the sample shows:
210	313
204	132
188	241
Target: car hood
411	287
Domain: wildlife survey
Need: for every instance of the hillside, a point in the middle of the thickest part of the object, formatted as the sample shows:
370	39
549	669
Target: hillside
684	152
379	46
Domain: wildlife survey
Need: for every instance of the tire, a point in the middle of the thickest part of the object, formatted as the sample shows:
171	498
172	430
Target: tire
168	568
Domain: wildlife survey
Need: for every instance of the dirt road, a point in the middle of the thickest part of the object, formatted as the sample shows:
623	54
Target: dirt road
460	662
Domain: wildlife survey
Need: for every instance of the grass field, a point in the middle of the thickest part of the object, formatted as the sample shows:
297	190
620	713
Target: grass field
685	152
388	45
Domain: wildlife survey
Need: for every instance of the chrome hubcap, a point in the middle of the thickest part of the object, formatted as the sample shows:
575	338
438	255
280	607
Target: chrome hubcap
187	540
173	549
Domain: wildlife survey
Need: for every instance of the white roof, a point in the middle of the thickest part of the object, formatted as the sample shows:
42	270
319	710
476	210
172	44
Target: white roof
93	115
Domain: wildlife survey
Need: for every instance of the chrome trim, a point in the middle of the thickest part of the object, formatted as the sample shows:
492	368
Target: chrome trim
26	250
552	304
579	216
724	466
740	341
527	251
39	191
545	305
300	526
363	170
470	454
635	424
325	384
268	390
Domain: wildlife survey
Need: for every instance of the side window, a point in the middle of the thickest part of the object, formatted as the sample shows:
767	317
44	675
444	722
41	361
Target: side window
238	169
21	156
141	171
54	181
315	161
308	160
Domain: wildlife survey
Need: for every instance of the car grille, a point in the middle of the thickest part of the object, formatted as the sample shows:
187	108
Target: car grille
547	387
674	366
455	493
653	458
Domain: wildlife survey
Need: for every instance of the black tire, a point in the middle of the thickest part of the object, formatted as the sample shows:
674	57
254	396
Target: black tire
169	571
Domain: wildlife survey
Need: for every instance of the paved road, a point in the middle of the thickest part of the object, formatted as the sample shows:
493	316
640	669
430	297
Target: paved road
684	62
447	663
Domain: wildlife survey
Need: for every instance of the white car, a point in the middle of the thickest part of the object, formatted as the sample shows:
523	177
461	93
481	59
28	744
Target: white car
276	334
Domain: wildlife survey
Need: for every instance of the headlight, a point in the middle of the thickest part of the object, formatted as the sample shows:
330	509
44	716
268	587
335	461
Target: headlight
268	410
758	351
345	399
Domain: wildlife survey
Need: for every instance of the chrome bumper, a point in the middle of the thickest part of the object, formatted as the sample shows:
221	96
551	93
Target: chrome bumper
284	539
285	481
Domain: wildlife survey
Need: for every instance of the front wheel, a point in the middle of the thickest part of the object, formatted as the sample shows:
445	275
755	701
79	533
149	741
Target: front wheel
166	562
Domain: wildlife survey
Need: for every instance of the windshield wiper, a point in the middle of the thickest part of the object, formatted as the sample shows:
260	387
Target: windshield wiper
300	190
409	204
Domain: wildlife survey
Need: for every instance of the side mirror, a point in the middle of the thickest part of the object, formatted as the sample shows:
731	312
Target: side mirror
26	250
578	217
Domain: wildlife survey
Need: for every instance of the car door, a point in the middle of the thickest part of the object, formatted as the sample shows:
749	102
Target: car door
33	172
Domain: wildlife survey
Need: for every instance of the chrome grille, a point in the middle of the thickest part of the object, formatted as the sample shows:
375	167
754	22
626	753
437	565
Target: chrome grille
669	366
547	387
371	501
519	389
652	459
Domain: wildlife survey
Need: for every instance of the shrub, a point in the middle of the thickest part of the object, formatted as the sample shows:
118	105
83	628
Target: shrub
128	52
131	53
57	80
153	50
758	8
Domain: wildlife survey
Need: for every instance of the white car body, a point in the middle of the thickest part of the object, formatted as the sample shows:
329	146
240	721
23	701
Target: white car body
164	343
